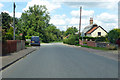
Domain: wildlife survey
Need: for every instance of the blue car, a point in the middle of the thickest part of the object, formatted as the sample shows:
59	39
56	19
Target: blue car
35	41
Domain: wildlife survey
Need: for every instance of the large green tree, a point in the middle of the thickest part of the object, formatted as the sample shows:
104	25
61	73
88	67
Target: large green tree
52	34
34	21
6	21
7	29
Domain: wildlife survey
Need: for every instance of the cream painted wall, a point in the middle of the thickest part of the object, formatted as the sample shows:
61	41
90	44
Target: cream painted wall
95	33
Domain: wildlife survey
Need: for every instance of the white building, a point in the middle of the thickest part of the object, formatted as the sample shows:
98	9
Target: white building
93	30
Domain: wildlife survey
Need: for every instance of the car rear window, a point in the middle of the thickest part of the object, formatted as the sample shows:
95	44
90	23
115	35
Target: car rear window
35	39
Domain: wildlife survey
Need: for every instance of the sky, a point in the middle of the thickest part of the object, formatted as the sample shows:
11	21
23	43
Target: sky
65	13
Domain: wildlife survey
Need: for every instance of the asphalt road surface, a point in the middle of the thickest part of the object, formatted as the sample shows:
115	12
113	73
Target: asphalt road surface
60	61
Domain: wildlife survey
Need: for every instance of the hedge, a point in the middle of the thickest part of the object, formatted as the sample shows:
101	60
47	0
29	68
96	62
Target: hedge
74	39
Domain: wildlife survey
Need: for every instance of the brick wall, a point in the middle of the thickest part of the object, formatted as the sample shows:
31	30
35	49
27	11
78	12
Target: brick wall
91	43
11	46
80	42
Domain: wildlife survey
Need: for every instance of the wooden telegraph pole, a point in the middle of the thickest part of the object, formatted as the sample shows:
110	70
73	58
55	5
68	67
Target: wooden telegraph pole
14	21
80	23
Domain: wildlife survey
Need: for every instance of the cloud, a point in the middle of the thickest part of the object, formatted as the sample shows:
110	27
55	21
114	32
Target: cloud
58	20
17	14
85	0
63	20
50	5
1	5
91	4
85	13
14	0
107	18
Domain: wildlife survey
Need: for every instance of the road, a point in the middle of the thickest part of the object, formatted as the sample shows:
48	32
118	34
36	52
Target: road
60	61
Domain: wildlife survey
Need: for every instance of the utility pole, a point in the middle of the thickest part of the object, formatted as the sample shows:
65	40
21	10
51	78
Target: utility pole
80	23
14	21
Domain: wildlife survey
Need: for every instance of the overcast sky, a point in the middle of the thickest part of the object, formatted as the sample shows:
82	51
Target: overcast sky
65	13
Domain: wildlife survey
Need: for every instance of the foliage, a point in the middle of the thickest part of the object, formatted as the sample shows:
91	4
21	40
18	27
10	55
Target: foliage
70	30
52	34
35	22
7	35
6	21
89	38
27	42
7	30
72	40
28	37
112	47
113	35
101	39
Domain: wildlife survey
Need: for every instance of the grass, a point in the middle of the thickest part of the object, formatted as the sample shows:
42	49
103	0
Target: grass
27	45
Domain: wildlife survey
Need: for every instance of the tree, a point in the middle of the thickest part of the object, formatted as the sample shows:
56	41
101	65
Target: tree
70	30
52	34
34	21
7	28
6	20
113	35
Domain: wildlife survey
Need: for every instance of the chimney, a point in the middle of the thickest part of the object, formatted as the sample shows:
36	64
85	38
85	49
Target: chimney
91	21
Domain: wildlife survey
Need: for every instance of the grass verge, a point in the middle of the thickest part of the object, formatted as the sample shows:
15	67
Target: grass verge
27	45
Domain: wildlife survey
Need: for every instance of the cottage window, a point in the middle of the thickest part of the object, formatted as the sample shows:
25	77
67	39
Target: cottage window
99	33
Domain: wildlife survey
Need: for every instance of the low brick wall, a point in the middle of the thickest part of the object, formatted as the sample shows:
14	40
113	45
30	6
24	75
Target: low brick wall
11	46
80	42
91	43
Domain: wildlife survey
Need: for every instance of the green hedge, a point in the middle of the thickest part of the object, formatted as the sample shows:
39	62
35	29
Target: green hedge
27	42
74	39
101	39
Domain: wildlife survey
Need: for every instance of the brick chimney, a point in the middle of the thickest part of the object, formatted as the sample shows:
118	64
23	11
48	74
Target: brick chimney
91	21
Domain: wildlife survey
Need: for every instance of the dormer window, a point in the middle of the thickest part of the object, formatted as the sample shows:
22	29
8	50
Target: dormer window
99	33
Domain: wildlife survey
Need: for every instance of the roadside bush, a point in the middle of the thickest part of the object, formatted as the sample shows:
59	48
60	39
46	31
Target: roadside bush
113	35
72	40
9	36
27	42
112	47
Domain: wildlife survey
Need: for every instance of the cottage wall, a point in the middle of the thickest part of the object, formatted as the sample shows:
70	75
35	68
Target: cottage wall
95	33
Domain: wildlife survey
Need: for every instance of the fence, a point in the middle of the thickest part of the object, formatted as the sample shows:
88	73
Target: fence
11	46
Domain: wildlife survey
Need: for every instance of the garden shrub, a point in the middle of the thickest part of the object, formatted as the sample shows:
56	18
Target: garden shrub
27	42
